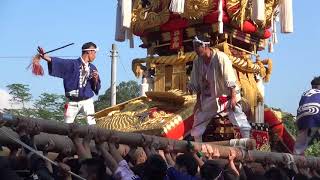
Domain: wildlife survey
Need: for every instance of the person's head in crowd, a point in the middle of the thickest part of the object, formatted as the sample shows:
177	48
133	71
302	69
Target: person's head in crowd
276	174
300	176
93	169
253	171
20	163
123	149
73	164
314	178
186	163
7	173
289	172
139	156
211	171
155	168
242	173
256	176
138	169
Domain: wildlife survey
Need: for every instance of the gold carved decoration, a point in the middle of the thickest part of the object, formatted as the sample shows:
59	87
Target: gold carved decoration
151	16
271	5
181	54
196	9
166	36
238	11
265	72
139	115
191	32
241	10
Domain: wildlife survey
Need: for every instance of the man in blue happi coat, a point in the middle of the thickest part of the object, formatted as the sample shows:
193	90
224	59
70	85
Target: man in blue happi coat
80	79
308	117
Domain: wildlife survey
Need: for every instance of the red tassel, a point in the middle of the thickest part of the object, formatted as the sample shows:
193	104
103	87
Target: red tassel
36	66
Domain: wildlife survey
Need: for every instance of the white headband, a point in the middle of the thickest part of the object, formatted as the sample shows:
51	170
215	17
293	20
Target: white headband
197	40
91	49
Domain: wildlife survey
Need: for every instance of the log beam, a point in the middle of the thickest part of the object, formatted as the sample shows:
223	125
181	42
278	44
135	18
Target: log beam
136	139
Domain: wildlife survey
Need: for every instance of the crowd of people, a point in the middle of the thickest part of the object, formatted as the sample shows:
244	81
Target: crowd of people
97	157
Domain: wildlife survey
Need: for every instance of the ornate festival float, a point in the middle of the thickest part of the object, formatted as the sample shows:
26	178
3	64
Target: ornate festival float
239	28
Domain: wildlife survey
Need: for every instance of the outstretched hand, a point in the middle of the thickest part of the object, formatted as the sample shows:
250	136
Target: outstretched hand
42	54
101	136
40	51
232	155
233	100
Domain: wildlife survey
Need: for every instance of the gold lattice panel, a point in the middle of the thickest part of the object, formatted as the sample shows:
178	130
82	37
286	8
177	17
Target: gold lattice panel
157	116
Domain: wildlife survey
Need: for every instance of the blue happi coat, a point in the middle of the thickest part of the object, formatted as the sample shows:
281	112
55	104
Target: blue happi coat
308	113
69	71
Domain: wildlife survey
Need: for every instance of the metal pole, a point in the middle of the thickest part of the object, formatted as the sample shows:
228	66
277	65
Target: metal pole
114	55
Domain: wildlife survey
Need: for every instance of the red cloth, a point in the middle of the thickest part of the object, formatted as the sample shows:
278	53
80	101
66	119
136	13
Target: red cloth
277	127
248	27
175	23
261	137
267	34
274	122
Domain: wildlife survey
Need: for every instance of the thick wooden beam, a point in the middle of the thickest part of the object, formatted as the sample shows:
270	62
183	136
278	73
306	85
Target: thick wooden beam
136	139
61	143
132	139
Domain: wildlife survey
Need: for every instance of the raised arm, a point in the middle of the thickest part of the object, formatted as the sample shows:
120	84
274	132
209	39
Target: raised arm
81	149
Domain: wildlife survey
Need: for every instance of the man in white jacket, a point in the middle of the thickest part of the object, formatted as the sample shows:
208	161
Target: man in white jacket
214	81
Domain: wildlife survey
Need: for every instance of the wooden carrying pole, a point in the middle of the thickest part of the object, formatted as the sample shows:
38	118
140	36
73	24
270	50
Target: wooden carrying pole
61	143
136	139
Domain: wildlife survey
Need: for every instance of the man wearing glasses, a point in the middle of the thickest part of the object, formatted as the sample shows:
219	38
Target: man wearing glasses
214	81
80	79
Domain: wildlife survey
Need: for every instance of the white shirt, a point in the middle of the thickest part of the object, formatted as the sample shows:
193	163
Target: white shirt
84	73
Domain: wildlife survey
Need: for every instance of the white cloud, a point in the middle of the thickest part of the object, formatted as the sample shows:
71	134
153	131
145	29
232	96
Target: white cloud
4	99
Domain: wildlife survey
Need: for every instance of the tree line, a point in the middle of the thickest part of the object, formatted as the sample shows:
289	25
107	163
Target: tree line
51	105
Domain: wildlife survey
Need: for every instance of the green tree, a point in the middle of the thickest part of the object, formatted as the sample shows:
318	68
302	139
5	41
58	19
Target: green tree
125	91
21	96
314	149
289	122
50	106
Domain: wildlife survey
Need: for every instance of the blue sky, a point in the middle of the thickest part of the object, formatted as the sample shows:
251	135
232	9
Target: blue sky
26	24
